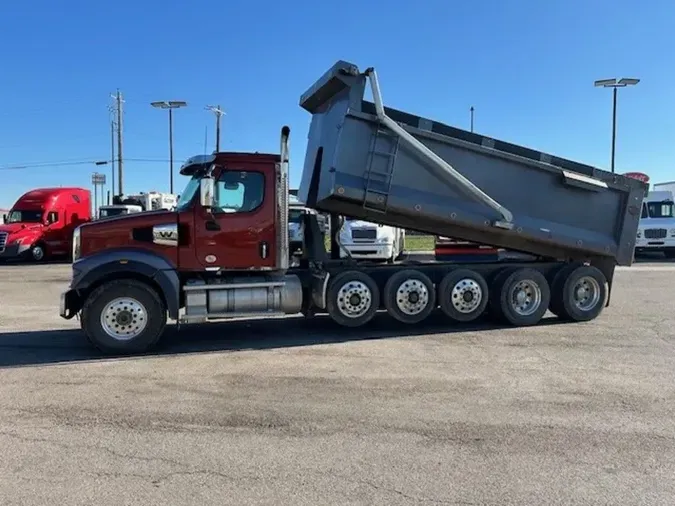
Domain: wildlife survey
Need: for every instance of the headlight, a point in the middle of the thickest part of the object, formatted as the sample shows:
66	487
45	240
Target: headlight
76	244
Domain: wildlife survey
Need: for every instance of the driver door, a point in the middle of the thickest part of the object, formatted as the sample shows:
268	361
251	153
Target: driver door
239	233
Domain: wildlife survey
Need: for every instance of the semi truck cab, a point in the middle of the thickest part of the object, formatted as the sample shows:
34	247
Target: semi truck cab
41	223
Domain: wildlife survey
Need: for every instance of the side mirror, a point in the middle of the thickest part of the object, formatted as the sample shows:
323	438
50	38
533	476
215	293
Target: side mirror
206	187
4	219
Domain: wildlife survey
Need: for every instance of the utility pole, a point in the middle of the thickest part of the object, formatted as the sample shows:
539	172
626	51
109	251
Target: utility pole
471	110
170	105
112	155
218	112
120	165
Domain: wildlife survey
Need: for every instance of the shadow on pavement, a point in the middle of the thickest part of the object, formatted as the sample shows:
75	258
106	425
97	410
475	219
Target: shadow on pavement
58	346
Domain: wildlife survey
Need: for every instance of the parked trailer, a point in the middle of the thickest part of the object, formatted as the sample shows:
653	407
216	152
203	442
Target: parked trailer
224	251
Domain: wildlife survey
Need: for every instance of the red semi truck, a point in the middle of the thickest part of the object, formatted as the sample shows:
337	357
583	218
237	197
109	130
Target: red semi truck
223	252
41	223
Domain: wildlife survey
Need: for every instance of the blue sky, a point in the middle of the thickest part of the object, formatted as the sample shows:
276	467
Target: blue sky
527	67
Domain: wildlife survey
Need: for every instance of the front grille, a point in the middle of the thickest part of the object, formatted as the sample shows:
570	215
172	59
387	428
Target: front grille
3	241
369	234
655	233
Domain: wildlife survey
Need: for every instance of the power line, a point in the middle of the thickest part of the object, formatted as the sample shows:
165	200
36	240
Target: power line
68	163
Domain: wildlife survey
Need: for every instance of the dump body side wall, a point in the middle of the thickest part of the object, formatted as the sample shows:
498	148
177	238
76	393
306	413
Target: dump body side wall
557	214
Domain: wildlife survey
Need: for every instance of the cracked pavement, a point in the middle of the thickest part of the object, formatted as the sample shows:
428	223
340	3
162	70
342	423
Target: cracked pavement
300	412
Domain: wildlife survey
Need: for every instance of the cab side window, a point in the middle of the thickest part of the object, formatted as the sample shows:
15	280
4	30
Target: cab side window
52	217
239	191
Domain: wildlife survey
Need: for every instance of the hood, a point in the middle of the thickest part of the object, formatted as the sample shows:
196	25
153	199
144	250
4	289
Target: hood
13	228
360	224
131	219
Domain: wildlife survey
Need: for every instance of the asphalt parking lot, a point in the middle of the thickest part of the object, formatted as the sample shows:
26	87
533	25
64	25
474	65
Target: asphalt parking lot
301	412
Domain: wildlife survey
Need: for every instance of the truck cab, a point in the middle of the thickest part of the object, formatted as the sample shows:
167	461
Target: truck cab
40	224
656	230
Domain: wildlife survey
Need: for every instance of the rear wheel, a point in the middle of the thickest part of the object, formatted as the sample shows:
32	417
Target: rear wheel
463	295
409	296
124	316
578	293
520	296
352	299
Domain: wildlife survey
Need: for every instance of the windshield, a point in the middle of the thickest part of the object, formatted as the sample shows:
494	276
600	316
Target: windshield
295	215
24	217
107	213
186	197
664	209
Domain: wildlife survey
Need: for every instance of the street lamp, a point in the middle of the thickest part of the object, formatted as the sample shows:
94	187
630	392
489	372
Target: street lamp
615	84
170	105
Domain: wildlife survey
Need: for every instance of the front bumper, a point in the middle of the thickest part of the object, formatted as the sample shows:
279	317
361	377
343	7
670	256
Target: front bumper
13	251
654	244
374	251
69	305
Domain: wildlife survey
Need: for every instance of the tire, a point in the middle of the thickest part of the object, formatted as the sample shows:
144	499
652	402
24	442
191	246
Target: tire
38	252
669	253
556	305
565	292
352	313
463	295
532	292
140	300
409	296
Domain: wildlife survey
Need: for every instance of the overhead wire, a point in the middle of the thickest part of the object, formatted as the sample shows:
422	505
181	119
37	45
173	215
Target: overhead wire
69	163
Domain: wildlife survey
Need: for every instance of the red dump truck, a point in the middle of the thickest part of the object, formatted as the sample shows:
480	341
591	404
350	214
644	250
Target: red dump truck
223	252
41	223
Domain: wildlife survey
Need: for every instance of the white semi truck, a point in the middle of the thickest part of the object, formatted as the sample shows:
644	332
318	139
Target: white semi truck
367	240
656	230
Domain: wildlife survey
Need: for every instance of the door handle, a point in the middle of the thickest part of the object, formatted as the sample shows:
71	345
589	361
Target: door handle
212	225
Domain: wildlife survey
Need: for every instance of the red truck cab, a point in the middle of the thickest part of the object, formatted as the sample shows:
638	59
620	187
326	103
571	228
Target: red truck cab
40	224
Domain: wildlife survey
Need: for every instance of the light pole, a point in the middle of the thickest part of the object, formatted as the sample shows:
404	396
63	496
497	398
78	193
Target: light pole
215	109
615	84
170	105
471	110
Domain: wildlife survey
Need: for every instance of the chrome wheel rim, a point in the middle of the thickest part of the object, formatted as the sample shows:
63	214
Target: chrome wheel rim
354	299
124	318
466	295
38	253
586	293
525	297
412	297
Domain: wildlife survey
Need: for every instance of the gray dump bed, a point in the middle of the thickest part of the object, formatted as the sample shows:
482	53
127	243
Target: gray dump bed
387	166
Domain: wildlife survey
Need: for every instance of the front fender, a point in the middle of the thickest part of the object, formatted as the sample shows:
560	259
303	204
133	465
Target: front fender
90	271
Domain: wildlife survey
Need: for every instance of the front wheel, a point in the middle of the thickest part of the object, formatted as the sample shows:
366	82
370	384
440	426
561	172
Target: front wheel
37	253
124	316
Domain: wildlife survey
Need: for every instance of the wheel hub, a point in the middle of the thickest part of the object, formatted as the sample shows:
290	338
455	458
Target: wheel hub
466	295
412	297
354	299
525	297
124	318
586	293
